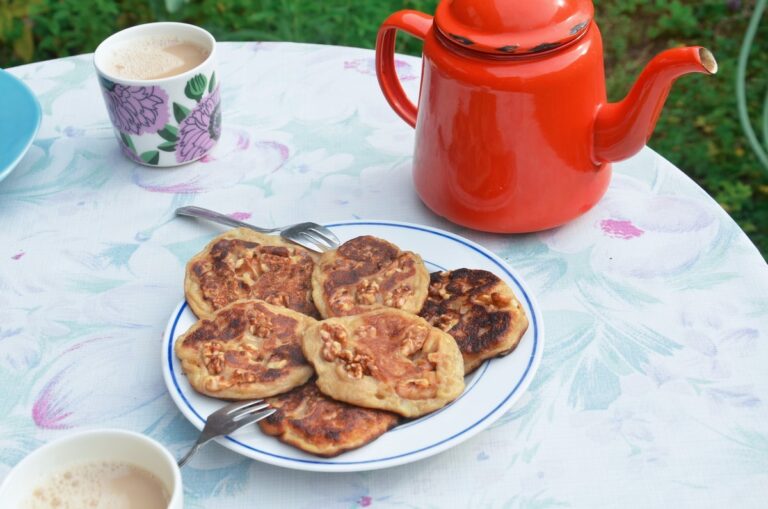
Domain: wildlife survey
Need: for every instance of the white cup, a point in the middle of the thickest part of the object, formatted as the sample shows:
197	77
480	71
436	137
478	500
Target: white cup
112	445
164	121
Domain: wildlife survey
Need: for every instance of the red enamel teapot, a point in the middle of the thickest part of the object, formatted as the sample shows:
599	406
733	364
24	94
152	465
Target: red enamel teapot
514	132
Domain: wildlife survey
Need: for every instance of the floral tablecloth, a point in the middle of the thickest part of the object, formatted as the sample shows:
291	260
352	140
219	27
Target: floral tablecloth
653	389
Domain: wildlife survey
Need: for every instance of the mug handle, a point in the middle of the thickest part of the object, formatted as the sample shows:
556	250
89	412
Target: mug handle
415	23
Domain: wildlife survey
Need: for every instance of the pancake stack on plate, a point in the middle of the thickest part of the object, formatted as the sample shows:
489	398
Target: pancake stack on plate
391	342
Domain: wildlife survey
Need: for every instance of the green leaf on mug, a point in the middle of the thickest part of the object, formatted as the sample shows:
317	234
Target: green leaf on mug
150	157
127	141
179	112
196	87
212	83
168	146
169	132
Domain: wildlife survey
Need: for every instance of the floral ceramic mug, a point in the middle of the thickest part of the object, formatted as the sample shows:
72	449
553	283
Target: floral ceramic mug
165	121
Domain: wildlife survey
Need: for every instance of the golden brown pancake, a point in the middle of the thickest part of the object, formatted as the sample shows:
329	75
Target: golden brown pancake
479	310
386	359
311	421
367	273
248	349
242	264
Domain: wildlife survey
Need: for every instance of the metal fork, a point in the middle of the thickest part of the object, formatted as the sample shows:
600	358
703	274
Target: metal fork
227	420
313	236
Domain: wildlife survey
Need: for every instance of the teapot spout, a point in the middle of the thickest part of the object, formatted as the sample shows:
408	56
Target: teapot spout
623	128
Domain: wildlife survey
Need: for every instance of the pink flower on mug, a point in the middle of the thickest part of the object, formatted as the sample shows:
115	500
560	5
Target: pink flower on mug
199	131
136	110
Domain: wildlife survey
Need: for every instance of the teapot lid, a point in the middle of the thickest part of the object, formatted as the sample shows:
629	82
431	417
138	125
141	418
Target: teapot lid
513	27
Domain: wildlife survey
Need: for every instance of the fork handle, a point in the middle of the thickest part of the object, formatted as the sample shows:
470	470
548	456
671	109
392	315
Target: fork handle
204	437
183	461
218	218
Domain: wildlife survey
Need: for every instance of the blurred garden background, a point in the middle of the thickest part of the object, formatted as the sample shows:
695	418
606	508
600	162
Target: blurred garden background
699	131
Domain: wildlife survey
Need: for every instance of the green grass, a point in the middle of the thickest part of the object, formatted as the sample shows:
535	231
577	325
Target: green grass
699	130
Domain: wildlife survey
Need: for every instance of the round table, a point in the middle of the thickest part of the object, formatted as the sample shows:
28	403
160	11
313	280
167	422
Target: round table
652	391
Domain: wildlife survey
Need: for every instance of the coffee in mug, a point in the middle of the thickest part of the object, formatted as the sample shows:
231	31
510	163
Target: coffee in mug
99	485
151	58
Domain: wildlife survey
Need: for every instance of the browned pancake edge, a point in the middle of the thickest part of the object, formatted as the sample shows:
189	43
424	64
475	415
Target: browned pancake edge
479	310
312	422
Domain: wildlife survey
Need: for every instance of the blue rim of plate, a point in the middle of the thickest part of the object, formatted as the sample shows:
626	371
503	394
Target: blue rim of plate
536	340
23	98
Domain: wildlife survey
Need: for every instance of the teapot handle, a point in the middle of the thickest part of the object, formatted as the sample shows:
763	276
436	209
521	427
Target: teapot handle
415	23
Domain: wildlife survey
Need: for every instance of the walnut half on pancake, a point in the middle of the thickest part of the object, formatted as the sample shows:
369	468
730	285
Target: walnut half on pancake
311	421
479	310
367	273
248	349
386	359
243	264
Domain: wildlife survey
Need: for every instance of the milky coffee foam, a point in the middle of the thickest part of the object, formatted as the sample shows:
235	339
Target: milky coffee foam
151	58
100	485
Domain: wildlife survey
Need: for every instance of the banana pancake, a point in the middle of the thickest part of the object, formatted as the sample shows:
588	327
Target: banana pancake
244	264
311	421
479	310
367	273
248	349
386	359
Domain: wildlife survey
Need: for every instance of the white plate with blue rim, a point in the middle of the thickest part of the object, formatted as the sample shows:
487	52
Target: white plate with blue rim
490	391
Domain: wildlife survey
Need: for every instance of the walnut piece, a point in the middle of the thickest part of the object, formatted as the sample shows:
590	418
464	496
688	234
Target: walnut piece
241	376
359	365
260	327
333	337
333	333
413	339
366	292
278	299
213	357
365	331
398	296
354	370
354	364
341	300
447	320
417	388
331	350
491	301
